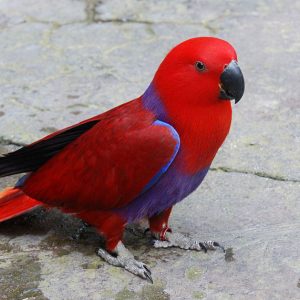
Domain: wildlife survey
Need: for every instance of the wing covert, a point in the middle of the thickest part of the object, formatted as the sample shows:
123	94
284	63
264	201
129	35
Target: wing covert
107	166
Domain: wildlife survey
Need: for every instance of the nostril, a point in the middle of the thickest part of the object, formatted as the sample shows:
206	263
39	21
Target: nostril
225	66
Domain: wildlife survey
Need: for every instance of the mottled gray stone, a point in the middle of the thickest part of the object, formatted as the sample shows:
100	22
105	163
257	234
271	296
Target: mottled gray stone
62	12
259	222
63	61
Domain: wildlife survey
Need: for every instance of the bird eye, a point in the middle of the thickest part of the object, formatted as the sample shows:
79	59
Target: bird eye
200	66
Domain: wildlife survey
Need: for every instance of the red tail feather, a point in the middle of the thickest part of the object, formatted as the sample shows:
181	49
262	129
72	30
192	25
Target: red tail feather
14	202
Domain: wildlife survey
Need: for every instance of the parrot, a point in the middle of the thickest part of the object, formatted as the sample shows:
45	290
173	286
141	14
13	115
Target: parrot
135	161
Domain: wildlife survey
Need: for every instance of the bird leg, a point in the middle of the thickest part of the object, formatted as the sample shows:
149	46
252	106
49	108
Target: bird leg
111	226
164	238
159	224
122	257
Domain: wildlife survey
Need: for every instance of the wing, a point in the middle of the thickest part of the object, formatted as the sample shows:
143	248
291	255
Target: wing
31	157
109	165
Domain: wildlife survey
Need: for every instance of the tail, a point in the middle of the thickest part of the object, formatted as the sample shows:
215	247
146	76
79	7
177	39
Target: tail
14	202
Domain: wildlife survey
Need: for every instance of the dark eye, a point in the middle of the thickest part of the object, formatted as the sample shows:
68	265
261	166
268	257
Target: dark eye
200	66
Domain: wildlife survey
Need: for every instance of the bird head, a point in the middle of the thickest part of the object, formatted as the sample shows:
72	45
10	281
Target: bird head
199	72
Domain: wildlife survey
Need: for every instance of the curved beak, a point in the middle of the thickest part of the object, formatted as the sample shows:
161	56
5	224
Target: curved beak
232	83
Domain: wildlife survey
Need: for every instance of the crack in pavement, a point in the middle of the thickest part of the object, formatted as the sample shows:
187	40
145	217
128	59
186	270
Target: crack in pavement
149	22
205	24
92	16
255	173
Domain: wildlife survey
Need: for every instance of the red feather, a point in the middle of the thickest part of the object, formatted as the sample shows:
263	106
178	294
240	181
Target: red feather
107	166
14	202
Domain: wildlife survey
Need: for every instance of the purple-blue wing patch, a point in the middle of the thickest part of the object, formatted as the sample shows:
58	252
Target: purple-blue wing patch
166	166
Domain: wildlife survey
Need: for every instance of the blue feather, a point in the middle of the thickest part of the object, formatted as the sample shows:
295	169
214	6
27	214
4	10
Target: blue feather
167	165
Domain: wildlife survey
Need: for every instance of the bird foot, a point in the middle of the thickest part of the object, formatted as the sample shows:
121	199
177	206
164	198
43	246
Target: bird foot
180	241
126	260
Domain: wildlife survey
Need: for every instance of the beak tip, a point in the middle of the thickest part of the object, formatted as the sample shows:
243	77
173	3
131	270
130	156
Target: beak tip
232	82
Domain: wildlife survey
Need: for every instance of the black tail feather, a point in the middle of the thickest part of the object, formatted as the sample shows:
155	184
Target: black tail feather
31	157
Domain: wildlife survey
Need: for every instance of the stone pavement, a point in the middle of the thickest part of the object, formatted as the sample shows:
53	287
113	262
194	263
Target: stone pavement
63	61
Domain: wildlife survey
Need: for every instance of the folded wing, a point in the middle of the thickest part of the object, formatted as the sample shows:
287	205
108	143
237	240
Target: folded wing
109	165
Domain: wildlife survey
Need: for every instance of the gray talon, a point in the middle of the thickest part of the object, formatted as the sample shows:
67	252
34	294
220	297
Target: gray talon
147	269
148	277
212	245
216	244
126	260
203	247
183	242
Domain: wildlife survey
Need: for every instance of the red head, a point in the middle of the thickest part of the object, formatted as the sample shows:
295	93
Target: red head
192	71
194	83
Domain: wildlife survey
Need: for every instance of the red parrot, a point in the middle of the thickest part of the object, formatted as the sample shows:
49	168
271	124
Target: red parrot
136	160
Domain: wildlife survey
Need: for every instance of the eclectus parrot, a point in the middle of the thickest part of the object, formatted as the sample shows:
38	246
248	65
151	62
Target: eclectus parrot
136	160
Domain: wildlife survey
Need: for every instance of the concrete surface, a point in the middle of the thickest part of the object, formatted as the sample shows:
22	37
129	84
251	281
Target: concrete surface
63	61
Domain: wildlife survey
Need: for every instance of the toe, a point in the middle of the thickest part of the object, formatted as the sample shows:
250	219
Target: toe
203	247
148	277
212	245
217	245
138	268
147	273
161	244
147	269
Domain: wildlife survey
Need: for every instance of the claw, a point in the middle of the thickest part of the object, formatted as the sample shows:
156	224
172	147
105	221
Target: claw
183	242
216	244
147	269
148	277
121	257
203	247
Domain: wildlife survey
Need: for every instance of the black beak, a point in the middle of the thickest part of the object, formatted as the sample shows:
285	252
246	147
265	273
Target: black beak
232	83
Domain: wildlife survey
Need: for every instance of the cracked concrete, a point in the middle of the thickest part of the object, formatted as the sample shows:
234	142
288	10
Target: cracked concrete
64	61
259	174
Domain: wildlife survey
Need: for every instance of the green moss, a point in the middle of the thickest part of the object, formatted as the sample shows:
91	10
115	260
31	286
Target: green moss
229	255
93	265
118	273
193	273
61	252
125	294
53	241
198	295
154	292
62	245
20	280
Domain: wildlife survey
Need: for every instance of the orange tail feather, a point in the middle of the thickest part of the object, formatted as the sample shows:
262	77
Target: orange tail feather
14	202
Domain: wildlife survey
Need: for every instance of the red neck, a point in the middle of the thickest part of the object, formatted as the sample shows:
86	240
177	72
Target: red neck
202	128
202	132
